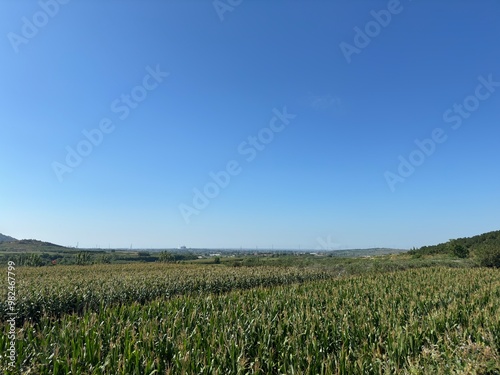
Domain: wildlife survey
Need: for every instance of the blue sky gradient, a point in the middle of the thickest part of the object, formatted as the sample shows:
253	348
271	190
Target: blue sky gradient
332	174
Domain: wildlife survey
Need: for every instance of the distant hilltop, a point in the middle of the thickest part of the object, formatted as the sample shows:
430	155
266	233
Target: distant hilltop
473	244
36	243
4	238
10	244
31	243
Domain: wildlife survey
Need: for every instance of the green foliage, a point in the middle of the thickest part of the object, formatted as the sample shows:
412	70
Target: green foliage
166	257
104	259
54	291
31	260
82	258
458	249
461	247
217	260
432	321
432	250
489	255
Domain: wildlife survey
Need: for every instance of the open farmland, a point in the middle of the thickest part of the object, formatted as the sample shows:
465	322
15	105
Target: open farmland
53	291
287	321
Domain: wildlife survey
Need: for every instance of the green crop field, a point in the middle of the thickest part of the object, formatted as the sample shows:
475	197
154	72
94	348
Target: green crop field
180	319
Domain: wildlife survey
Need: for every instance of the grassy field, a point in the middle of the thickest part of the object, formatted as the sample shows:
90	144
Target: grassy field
188	319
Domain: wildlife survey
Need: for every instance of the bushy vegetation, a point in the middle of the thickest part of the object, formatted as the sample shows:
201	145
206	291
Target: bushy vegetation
434	321
488	255
485	248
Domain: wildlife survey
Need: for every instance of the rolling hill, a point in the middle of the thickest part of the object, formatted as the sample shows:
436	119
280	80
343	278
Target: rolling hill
473	244
4	238
30	246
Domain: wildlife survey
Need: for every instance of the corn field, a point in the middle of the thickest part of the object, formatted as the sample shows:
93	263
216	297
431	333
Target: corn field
279	321
54	291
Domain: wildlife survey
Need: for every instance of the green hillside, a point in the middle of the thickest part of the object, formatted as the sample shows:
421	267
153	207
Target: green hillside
484	247
4	238
29	246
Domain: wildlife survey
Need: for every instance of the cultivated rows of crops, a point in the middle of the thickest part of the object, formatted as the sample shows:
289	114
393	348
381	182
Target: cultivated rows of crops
59	290
433	321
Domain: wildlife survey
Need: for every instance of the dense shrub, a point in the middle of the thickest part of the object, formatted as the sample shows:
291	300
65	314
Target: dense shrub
489	255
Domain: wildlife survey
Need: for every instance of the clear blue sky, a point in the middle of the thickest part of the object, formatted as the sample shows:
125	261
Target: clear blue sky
328	178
